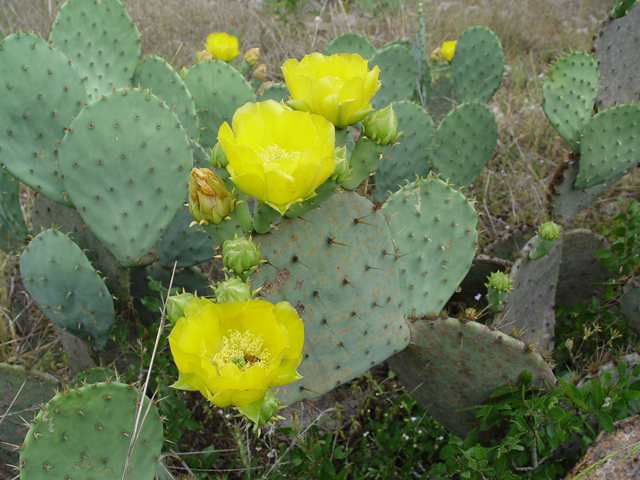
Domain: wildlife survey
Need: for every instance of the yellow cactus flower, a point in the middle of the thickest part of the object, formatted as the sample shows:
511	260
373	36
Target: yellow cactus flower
234	352
209	199
252	56
339	87
222	46
276	155
447	49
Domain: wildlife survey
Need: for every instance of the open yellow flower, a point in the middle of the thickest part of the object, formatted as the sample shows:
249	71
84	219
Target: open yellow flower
339	87
222	46
233	352
447	49
276	155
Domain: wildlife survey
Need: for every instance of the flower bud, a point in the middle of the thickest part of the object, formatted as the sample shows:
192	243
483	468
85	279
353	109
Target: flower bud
260	72
232	290
500	282
252	56
175	305
436	55
209	199
183	71
341	157
269	409
381	126
447	49
549	231
203	55
240	255
218	158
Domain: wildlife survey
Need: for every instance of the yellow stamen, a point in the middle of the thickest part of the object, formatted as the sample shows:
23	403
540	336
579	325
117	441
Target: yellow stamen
242	349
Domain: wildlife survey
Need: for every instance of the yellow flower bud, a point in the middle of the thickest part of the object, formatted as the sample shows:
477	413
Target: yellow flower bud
203	55
339	87
222	46
252	56
260	72
209	199
436	55
276	155
448	49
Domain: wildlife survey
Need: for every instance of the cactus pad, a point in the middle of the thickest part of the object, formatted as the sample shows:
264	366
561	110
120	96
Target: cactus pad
433	228
158	77
135	145
84	433
408	157
610	145
276	91
40	93
13	230
351	43
397	73
337	268
66	288
464	143
218	90
101	40
452	365
617	47
477	65
568	95
630	305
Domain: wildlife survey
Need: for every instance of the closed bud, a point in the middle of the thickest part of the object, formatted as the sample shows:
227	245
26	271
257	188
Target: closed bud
183	72
381	126
500	282
175	306
232	290
209	199
341	157
252	56
436	55
218	159
549	231
260	72
240	255
269	409
203	55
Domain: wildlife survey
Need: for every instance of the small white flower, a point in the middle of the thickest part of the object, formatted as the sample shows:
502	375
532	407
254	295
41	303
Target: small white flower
478	297
271	454
607	402
228	415
365	434
405	436
413	419
440	439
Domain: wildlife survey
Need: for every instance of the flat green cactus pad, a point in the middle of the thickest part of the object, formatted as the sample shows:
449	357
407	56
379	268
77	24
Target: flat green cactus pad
433	228
610	145
336	266
99	38
351	43
41	93
617	47
450	365
568	95
277	92
630	305
84	433
528	307
13	230
397	73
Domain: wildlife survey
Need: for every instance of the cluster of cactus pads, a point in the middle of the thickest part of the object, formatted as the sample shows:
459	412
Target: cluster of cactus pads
110	140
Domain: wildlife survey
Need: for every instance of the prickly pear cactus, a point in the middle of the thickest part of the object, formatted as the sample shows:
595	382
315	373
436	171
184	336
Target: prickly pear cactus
66	287
397	73
337	267
463	143
610	145
218	90
136	145
84	433
617	47
158	77
477	65
528	307
351	43
621	8
630	304
568	95
433	228
451	366
101	40
41	93
13	230
408	157
276	91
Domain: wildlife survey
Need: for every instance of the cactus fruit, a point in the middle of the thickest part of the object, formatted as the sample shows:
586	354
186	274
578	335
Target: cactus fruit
477	66
463	143
548	233
451	366
337	267
568	95
85	433
218	90
105	52
617	50
498	285
433	228
610	145
66	287
41	93
134	144
350	43
397	74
